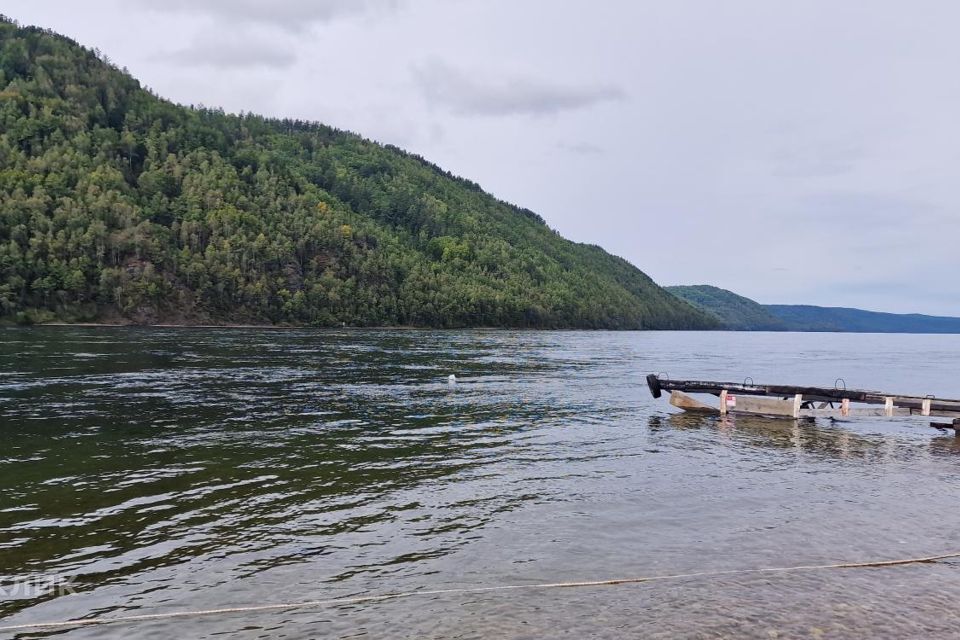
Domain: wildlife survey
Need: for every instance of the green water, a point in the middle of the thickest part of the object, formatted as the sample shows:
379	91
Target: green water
165	470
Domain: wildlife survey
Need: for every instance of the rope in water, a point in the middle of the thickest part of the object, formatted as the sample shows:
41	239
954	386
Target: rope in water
463	590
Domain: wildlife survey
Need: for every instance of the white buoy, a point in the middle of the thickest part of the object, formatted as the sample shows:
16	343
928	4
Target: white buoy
452	380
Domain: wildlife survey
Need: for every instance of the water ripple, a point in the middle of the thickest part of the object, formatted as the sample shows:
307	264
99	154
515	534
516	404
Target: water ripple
170	469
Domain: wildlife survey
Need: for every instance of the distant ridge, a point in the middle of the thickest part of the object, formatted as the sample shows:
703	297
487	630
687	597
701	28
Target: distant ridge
734	311
743	314
811	318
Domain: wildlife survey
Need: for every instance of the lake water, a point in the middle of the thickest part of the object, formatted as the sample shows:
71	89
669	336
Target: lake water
168	470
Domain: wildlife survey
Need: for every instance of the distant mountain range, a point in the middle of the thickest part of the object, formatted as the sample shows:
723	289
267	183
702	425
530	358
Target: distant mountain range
743	314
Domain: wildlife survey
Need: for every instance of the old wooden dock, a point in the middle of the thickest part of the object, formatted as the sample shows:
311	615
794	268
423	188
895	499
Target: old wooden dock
791	401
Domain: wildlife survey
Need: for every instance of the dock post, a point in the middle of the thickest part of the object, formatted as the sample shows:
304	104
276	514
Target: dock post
888	407
926	406
723	402
797	403
845	407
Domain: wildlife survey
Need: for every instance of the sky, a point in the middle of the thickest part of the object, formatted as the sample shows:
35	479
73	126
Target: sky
793	152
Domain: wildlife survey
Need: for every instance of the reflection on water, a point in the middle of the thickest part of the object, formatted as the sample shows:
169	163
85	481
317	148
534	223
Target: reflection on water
946	445
822	437
161	470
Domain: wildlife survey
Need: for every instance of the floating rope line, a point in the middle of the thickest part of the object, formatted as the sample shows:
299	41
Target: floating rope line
463	590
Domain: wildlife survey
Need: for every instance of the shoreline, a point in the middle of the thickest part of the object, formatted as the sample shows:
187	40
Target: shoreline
397	327
276	327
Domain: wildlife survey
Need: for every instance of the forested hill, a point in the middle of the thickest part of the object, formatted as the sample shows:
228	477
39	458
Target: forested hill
118	205
735	312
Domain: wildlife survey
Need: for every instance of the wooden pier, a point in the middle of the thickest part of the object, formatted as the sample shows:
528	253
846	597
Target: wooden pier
789	401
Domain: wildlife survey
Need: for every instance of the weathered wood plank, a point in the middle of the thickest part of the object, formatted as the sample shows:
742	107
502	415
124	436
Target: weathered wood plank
765	406
685	402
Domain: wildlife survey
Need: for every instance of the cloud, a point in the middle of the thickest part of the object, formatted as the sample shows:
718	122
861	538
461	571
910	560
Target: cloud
233	55
289	15
876	290
867	211
464	94
806	160
581	148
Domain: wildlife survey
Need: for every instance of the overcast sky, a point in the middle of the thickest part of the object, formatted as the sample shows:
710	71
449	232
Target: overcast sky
794	152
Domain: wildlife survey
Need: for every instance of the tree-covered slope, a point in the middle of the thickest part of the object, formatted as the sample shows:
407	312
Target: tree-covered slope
733	311
809	318
116	204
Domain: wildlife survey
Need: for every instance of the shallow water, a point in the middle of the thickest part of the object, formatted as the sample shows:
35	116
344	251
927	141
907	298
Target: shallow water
167	470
